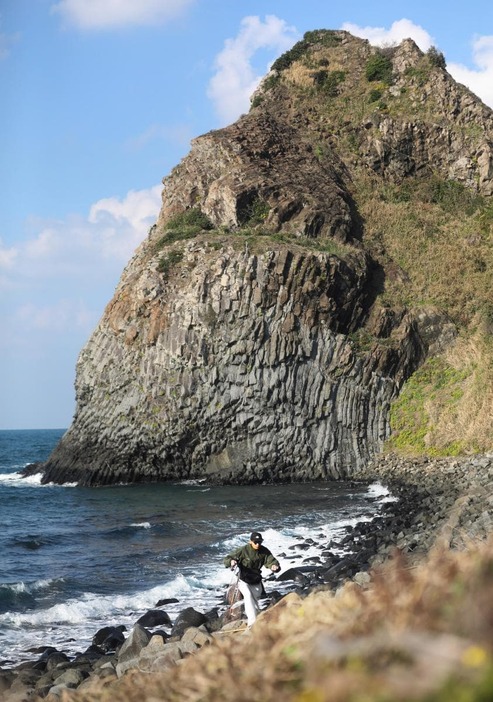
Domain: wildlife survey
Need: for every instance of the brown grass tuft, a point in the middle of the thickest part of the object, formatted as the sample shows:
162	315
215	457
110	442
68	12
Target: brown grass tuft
410	634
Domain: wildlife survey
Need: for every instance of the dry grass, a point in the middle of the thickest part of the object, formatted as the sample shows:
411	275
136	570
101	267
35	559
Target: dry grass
471	416
413	633
439	255
299	75
446	407
445	253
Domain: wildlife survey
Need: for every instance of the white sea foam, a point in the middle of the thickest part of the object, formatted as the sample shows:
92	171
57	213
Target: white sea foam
286	540
45	583
17	480
81	617
15	587
31	587
202	587
380	491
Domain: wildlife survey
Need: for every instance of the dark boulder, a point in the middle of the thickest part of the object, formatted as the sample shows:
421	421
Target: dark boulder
106	631
55	659
169	600
31	469
186	618
45	652
346	568
90	656
41	649
109	638
155	617
212	614
296	575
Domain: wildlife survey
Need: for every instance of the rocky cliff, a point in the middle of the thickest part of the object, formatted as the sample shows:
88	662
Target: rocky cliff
247	339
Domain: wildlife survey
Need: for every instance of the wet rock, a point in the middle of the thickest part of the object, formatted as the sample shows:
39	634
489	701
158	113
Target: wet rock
294	574
110	636
55	659
155	617
186	618
169	600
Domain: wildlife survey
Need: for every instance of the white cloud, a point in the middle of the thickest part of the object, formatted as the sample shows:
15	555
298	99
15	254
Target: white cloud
479	80
79	258
78	246
235	78
109	14
401	29
7	256
124	223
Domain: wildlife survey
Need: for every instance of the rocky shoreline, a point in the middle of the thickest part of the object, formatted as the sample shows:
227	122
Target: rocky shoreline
445	501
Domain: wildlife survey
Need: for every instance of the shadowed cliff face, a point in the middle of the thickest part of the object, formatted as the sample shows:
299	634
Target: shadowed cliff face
249	344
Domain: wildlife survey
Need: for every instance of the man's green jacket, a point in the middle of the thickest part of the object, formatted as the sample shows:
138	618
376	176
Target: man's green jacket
251	561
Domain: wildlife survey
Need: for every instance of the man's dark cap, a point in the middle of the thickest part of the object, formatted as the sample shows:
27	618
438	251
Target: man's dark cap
256	537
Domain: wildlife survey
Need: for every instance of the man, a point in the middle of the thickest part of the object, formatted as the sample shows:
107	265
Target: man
250	559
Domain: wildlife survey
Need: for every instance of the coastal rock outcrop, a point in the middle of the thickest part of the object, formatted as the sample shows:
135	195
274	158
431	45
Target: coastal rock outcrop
239	368
246	340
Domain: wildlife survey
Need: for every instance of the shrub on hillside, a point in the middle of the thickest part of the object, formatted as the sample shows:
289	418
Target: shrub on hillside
328	81
288	57
184	225
318	36
379	67
436	58
167	262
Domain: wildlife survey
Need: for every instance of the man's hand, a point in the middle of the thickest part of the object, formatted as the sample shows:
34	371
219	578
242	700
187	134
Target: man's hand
233	563
274	568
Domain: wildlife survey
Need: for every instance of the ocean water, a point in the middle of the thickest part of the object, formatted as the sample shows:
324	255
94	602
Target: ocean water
77	559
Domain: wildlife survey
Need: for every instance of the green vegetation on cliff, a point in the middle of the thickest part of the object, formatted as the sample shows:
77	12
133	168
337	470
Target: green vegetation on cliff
434	239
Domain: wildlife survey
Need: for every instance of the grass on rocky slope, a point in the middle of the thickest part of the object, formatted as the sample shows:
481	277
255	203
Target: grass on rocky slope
445	408
437	237
422	632
193	224
435	241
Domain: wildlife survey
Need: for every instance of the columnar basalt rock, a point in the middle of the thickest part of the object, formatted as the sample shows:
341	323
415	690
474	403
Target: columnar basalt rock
255	348
239	369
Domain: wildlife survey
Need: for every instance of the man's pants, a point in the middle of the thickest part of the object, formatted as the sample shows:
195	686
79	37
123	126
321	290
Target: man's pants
251	595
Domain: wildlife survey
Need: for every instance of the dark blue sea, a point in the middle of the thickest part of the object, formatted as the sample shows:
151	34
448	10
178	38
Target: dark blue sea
76	559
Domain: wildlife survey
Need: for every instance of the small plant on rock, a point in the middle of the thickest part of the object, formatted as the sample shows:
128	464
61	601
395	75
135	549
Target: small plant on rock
185	225
379	67
436	58
374	95
328	81
169	260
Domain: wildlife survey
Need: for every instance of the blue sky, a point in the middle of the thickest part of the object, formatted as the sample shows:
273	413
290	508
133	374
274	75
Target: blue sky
100	99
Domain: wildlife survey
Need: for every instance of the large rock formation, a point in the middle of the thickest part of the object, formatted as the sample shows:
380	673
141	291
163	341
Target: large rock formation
246	340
